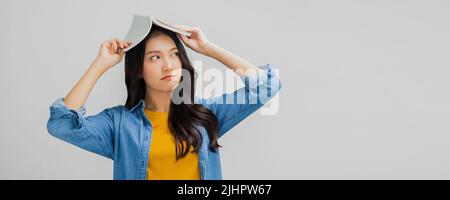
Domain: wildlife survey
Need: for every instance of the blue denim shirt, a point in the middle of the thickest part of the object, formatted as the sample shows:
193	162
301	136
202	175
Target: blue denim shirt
124	135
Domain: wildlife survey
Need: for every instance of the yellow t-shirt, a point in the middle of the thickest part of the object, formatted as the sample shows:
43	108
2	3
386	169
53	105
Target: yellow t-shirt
162	163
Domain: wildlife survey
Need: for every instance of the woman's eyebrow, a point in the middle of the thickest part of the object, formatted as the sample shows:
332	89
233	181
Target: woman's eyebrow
156	51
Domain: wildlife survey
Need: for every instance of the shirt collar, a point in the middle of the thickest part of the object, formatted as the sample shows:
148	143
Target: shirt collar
139	105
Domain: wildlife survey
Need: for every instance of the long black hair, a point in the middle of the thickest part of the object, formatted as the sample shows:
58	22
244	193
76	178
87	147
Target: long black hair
184	119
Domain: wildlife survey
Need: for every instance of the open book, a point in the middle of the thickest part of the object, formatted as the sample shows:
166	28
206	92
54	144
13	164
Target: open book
141	26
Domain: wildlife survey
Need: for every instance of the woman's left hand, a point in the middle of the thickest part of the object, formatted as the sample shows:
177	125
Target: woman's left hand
197	41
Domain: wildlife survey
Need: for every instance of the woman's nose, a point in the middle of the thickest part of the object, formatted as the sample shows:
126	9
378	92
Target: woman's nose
167	65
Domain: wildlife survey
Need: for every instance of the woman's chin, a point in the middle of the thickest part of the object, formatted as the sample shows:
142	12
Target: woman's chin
166	86
170	86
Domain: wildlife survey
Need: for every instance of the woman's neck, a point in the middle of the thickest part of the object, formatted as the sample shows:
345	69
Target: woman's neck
157	101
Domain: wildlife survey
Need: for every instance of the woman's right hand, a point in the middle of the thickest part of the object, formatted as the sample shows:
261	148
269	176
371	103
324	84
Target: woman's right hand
111	52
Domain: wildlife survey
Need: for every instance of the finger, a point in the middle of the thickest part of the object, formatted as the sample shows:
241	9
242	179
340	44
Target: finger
119	46
114	46
119	43
107	44
183	38
121	52
195	29
110	47
126	44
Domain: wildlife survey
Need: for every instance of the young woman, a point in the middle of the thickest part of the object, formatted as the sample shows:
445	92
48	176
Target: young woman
151	137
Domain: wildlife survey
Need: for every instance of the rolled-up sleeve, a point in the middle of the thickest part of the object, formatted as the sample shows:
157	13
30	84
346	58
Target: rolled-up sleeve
92	133
232	108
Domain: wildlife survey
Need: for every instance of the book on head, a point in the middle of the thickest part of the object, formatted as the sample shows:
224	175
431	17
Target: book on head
141	26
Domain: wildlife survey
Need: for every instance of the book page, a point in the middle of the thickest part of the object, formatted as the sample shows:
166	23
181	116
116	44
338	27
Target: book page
169	27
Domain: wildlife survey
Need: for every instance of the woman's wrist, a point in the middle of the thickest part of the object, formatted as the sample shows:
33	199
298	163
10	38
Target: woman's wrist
212	50
98	66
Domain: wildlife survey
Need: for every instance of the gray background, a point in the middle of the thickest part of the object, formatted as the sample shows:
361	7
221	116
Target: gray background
365	84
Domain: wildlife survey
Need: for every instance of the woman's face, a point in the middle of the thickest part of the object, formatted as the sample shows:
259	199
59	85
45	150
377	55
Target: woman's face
162	66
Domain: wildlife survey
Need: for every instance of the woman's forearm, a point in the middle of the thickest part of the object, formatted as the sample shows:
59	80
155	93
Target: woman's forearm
80	92
232	61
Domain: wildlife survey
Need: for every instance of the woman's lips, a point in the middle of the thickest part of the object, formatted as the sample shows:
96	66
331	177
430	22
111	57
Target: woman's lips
168	77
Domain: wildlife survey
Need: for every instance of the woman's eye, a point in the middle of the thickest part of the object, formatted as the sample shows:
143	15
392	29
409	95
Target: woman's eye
175	53
154	57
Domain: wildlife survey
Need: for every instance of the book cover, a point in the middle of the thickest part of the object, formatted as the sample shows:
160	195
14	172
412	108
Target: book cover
141	26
